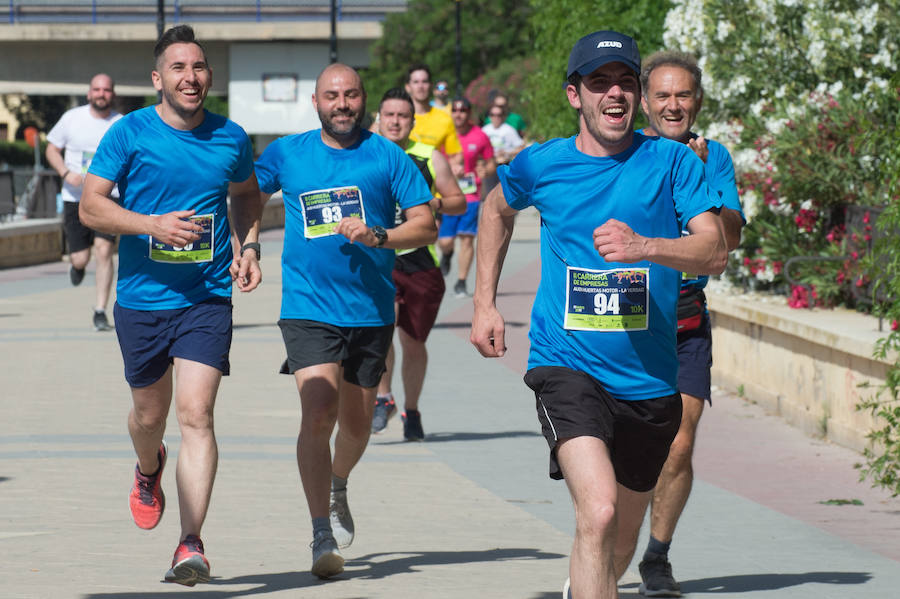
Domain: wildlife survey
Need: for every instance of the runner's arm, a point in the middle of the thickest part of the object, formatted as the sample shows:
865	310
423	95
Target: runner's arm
701	252
732	223
452	200
246	211
98	211
494	232
418	230
56	161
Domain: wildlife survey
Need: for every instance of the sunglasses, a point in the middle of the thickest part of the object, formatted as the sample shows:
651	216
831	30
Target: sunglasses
460	109
495	114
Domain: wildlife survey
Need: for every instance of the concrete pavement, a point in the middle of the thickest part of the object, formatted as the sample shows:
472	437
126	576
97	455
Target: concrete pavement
469	513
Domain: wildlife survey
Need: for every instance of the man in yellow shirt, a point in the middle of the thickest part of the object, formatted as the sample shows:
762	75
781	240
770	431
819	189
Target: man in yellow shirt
433	126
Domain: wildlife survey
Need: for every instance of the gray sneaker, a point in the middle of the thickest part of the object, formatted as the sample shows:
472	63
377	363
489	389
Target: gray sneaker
459	290
327	559
656	574
100	321
341	520
385	408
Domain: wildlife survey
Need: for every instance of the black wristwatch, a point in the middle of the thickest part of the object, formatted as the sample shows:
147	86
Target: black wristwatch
380	235
252	246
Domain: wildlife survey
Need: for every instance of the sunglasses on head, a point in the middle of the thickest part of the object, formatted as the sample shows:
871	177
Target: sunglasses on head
440	87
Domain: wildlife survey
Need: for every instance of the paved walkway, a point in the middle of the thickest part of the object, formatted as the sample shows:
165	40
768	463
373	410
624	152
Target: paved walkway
469	513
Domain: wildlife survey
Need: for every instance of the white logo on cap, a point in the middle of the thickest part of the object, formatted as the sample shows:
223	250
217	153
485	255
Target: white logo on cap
610	44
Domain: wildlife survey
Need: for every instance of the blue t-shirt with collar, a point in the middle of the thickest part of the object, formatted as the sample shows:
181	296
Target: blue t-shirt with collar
655	187
160	169
327	278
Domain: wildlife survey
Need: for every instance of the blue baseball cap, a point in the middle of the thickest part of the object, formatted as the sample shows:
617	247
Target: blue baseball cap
601	47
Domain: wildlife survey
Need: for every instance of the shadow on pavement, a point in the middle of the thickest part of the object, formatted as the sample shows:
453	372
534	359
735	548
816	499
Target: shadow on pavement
746	583
381	565
466	436
368	567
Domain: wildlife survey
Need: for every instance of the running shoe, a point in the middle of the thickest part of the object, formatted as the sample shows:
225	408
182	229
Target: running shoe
385	408
656	574
189	566
76	275
445	263
412	426
147	500
327	559
567	592
100	321
341	520
459	290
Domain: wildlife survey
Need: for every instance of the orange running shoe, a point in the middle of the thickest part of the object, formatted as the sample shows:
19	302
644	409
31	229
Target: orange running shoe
146	500
189	566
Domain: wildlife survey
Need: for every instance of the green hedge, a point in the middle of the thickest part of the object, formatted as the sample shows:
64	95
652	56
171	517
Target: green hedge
19	153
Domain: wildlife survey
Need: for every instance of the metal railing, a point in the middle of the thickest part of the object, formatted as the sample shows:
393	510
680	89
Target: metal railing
177	11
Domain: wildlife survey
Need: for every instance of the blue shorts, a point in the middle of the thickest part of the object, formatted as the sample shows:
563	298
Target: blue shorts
695	360
462	224
151	339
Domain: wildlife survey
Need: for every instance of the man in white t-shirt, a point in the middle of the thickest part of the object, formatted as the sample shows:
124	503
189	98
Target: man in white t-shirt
72	143
505	140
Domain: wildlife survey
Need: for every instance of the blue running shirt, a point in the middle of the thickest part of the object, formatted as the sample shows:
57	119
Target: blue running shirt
720	178
325	277
160	169
613	321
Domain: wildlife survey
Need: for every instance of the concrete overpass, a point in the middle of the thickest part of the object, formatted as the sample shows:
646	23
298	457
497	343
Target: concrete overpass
264	53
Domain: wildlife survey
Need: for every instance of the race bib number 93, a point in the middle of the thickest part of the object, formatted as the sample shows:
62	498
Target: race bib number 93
324	209
607	300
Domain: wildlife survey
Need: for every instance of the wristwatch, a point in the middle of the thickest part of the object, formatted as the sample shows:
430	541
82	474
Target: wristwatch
380	235
252	246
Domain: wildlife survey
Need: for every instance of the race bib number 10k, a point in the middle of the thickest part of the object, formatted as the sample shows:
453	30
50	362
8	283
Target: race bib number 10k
324	209
607	300
201	250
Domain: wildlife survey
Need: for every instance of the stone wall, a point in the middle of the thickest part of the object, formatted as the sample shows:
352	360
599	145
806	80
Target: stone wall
806	365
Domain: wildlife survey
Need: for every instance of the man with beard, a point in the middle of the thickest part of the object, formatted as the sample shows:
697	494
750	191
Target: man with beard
340	186
672	97
602	365
70	149
174	164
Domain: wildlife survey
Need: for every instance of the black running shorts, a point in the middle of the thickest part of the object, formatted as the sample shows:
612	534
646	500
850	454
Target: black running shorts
571	403
361	351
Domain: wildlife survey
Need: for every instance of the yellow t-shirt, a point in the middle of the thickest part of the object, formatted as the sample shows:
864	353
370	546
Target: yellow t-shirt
435	128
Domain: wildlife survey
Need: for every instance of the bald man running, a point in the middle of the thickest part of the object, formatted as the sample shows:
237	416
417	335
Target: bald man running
340	185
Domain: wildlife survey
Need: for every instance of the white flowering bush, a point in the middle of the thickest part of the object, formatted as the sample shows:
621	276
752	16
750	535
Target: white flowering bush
801	92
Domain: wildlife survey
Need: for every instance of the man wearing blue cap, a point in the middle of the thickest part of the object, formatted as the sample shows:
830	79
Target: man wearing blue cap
603	364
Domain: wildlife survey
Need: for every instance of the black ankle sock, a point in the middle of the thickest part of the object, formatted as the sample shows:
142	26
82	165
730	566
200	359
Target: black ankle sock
656	547
338	483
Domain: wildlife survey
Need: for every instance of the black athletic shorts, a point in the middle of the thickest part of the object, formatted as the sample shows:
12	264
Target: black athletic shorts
571	403
361	351
695	360
79	237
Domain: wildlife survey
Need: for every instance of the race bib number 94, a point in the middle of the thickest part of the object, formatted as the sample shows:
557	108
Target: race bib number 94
324	209
607	300
201	250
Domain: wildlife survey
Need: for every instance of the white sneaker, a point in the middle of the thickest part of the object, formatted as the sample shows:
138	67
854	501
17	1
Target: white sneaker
327	559
341	520
567	592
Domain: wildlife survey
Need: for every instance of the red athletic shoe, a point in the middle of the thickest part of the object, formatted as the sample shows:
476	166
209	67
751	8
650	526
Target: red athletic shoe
146	500
189	566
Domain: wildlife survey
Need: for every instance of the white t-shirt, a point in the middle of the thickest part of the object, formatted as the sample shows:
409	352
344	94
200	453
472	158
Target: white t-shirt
504	138
79	133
